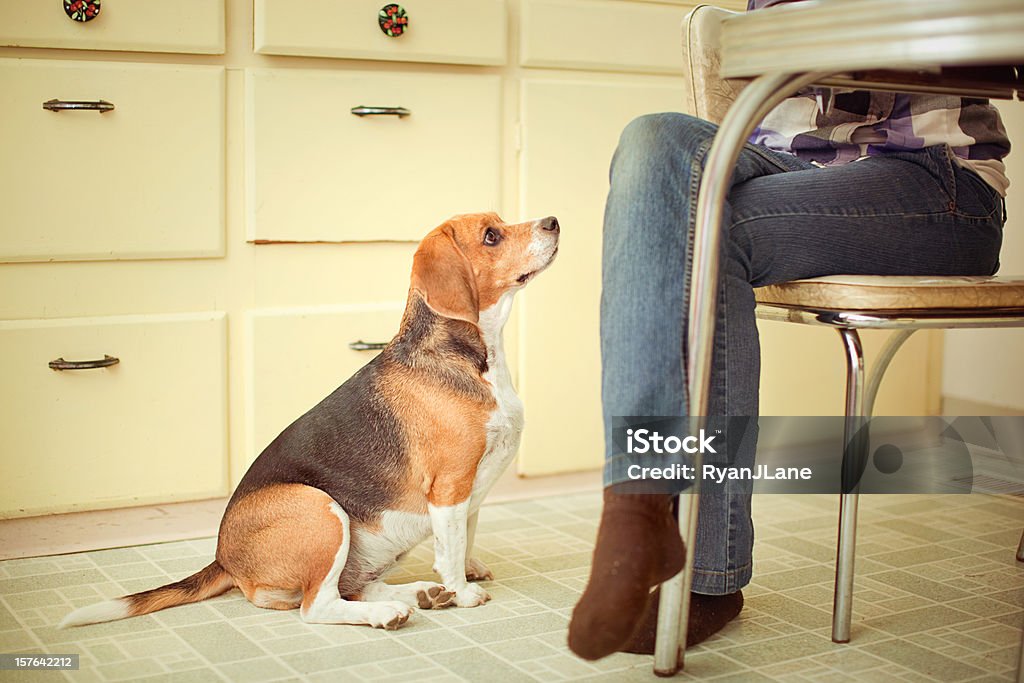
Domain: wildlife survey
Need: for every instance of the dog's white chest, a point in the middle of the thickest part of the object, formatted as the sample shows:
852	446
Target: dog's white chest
505	426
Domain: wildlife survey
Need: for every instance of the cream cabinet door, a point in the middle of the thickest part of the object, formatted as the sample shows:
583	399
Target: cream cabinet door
571	129
606	35
300	355
143	180
566	155
150	429
320	173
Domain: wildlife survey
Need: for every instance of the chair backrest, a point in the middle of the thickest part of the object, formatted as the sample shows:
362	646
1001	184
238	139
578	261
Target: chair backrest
707	96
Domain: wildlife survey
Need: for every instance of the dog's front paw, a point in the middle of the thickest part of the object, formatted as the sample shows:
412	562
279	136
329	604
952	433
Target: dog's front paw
477	571
434	596
388	615
471	596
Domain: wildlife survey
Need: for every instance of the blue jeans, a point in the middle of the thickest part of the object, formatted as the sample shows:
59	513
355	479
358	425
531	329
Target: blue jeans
913	213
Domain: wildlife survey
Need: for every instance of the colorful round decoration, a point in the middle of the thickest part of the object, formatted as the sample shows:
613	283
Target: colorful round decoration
393	20
82	10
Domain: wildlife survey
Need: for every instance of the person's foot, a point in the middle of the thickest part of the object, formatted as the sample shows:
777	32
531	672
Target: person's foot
708	615
638	546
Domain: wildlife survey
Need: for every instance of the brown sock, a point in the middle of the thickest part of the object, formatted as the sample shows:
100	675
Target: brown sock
708	615
638	547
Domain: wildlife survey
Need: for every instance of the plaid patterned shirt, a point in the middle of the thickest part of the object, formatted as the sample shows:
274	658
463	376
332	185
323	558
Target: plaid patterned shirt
851	124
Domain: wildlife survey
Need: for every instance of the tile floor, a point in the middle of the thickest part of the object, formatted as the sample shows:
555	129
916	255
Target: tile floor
939	597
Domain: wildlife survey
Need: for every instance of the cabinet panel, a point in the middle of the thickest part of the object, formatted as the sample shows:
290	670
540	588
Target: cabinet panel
144	25
449	31
145	180
565	173
152	428
300	355
607	35
320	173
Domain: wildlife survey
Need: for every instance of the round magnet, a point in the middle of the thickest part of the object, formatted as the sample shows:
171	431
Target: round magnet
393	20
82	10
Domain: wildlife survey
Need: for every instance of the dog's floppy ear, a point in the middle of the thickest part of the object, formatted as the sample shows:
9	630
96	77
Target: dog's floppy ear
444	276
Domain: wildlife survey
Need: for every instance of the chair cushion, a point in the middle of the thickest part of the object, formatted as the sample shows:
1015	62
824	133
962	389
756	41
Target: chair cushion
888	292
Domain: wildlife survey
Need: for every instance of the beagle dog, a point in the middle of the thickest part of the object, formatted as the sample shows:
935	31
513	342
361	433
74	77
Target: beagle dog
408	446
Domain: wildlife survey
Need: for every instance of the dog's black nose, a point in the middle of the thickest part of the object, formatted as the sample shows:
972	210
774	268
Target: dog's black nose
550	224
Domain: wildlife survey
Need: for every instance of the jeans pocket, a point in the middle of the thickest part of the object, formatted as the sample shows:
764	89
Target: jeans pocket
975	198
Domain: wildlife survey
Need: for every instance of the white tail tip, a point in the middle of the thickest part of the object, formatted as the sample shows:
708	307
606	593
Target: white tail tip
110	610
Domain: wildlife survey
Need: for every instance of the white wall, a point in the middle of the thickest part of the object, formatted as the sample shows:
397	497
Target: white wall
987	366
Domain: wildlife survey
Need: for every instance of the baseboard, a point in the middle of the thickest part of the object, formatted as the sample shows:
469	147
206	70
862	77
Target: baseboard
960	407
77	532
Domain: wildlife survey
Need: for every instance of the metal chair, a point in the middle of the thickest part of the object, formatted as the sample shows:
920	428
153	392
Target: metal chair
846	303
903	305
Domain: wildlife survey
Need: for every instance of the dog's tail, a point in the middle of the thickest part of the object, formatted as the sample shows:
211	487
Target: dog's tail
208	582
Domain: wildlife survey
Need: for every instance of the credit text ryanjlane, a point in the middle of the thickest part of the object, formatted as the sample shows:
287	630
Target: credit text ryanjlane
718	473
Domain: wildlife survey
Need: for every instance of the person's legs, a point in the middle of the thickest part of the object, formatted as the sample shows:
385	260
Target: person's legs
654	181
914	213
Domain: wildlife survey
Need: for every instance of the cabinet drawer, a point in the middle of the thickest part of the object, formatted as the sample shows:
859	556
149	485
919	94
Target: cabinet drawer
447	31
607	35
152	428
300	355
320	173
195	26
145	180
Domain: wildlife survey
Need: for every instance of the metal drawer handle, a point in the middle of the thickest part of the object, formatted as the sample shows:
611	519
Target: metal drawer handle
102	106
367	346
400	112
61	364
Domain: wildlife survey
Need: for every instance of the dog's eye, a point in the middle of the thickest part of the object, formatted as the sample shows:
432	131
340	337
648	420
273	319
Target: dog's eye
491	237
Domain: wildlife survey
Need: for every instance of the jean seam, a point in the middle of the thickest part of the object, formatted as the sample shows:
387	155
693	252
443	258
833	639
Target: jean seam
819	214
972	217
722	572
723	319
730	550
696	175
724	581
950	173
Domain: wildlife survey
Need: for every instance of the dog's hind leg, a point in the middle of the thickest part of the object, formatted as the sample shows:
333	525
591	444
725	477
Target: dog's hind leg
323	604
286	546
422	594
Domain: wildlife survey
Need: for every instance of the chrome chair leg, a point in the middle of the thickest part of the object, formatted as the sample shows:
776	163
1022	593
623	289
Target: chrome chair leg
756	100
854	437
675	597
